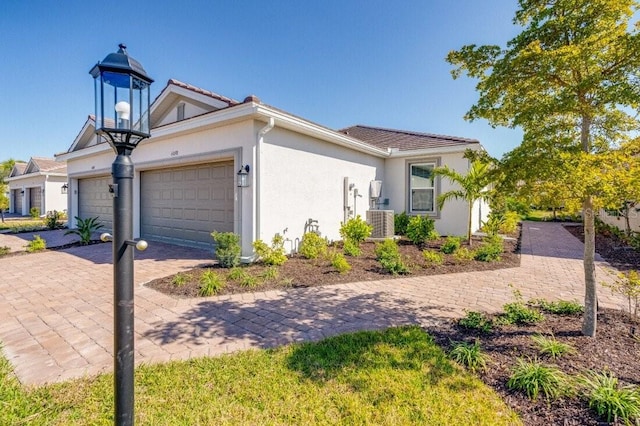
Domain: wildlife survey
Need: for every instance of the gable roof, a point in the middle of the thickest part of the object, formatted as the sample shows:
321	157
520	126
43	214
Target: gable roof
228	101
43	165
18	169
403	140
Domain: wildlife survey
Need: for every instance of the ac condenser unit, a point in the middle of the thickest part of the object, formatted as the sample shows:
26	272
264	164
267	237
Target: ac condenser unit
382	222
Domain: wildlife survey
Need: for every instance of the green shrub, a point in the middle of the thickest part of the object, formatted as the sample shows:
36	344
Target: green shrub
469	354
228	248
400	222
476	321
419	229
84	229
236	274
628	285
552	347
432	257
464	254
249	281
179	279
270	273
493	224
518	313
312	246
609	400
388	254
451	244
490	250
351	249
510	223
339	262
560	307
211	283
53	219
4	250
37	244
34	212
273	255
534	378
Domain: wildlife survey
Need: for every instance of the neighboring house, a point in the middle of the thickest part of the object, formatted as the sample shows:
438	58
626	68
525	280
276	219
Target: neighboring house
301	174
40	183
616	218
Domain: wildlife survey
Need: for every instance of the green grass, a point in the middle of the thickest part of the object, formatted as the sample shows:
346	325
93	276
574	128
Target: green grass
23	225
394	377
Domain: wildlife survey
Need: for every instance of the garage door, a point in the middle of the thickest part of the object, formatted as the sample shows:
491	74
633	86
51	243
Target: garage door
17	201
184	205
35	199
94	200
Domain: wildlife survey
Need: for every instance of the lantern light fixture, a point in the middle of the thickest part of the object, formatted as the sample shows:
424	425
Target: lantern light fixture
243	176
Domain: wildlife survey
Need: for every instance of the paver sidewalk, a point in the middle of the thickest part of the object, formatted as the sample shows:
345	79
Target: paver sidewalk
56	307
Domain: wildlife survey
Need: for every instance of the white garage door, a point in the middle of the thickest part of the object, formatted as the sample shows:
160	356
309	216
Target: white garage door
94	200
184	205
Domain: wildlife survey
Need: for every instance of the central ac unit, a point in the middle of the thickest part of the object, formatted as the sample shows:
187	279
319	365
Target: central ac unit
382	222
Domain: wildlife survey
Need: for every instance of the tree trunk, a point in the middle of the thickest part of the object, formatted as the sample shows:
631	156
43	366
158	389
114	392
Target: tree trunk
590	318
469	223
2	214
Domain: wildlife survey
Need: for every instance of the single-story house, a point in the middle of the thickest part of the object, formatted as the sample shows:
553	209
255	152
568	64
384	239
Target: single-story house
301	175
40	183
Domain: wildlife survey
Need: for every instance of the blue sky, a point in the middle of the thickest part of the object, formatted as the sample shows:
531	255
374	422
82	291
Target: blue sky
334	62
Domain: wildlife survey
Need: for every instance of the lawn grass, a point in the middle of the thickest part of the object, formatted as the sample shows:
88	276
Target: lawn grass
393	377
19	225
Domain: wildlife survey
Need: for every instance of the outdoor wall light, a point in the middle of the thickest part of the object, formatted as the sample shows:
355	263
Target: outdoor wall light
22	192
64	189
243	176
122	118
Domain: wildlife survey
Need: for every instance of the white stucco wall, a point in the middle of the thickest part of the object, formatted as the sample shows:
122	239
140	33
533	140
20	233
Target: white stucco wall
303	178
52	198
452	219
619	221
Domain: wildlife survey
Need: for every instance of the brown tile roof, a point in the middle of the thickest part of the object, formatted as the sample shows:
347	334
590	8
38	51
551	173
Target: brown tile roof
19	168
403	140
195	89
49	165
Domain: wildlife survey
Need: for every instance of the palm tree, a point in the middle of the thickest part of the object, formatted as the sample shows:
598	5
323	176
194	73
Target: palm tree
472	187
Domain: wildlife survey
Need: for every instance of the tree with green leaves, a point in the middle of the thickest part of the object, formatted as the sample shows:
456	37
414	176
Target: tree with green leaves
473	186
5	171
570	81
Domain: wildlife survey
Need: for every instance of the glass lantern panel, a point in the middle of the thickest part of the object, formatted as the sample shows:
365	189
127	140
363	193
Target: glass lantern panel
140	105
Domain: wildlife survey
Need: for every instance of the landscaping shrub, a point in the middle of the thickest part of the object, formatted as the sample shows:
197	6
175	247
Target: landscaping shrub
273	255
53	219
560	307
354	232
534	378
179	279
339	262
490	250
270	273
37	244
464	254
400	222
432	257
312	246
469	354
476	321
4	250
510	223
609	400
237	274
450	245
34	212
420	229
351	249
84	229
628	285
228	248
388	254
552	347
210	283
493	224
518	313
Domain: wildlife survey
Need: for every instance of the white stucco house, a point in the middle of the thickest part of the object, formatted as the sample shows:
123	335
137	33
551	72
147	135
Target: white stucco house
40	183
301	174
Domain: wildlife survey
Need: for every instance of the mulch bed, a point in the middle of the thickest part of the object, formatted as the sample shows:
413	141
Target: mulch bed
299	272
612	249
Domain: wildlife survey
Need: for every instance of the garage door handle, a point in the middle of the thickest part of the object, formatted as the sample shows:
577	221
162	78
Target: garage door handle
141	245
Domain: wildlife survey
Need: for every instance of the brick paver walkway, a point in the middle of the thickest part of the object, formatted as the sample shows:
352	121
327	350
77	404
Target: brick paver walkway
56	307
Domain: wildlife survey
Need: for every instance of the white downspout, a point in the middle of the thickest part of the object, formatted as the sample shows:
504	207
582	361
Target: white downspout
266	129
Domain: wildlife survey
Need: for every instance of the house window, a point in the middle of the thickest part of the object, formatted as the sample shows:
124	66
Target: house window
422	188
180	112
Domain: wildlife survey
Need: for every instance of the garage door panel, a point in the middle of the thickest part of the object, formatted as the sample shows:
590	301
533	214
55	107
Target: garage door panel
94	200
184	205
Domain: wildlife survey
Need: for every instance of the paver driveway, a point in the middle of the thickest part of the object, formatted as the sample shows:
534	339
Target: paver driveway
57	307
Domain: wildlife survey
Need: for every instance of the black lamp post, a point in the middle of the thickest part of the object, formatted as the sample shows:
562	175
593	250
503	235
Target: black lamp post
122	118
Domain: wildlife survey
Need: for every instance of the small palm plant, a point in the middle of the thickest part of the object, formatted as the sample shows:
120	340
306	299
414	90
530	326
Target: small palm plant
85	228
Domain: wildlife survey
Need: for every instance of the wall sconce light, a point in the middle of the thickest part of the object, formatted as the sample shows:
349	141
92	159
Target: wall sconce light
22	192
64	189
243	176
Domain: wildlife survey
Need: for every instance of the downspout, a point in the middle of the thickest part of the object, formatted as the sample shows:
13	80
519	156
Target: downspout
260	139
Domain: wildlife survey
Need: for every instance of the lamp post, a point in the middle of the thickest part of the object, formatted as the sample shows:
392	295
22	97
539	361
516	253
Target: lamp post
122	118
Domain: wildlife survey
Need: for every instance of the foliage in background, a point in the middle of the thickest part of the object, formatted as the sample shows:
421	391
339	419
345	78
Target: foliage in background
400	222
37	244
4	250
388	254
312	246
228	248
84	228
271	255
628	285
420	229
34	212
53	219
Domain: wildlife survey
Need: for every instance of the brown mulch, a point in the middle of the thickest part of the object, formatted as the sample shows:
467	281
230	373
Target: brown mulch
615	251
299	272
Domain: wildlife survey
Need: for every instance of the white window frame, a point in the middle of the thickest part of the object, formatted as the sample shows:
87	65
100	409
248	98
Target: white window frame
411	189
